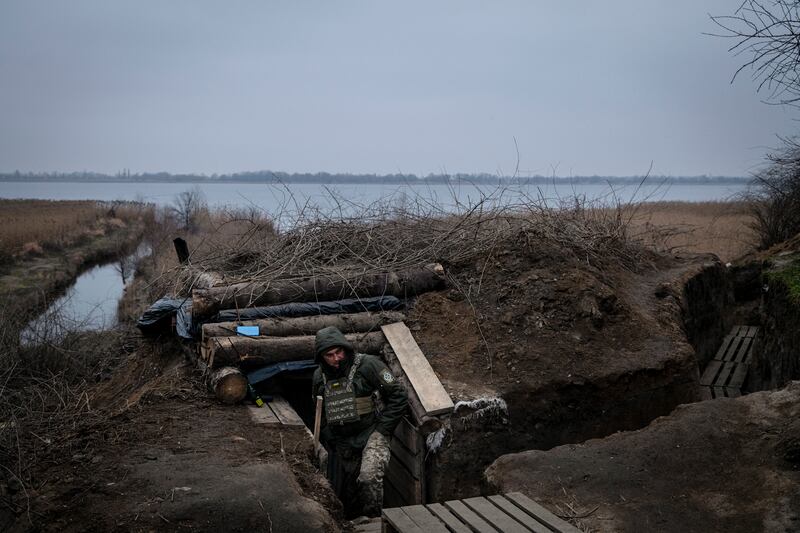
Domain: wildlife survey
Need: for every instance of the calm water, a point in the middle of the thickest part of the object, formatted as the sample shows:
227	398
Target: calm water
333	198
89	304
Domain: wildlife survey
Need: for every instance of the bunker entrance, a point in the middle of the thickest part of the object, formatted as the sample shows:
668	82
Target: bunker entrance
404	480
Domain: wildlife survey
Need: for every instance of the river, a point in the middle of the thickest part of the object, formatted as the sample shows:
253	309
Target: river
273	198
89	304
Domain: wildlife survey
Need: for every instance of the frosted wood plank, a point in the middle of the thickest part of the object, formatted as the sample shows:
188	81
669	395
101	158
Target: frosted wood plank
429	389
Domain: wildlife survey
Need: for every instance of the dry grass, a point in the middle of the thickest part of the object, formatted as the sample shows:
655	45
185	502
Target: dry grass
32	226
722	228
384	236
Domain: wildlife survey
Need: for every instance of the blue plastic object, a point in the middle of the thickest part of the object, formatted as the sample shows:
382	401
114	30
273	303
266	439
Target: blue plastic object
249	331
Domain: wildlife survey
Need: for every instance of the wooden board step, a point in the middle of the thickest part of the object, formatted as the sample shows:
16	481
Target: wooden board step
508	513
275	412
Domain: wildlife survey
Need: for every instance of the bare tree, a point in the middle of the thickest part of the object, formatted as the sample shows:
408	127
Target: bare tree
776	197
188	206
769	32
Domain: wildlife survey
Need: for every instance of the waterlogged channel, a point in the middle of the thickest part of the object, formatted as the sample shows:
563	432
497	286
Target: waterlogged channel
88	305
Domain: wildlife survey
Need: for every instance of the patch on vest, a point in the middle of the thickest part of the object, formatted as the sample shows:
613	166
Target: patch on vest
387	376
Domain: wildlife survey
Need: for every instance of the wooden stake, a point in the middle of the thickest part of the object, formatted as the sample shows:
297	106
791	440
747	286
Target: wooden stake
317	421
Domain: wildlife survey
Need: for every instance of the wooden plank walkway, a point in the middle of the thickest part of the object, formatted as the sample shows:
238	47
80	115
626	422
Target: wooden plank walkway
275	412
725	373
508	513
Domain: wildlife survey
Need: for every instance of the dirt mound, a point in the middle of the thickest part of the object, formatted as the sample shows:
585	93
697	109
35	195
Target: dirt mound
573	350
721	465
533	315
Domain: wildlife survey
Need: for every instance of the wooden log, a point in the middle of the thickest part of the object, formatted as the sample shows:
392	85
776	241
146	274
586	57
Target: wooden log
228	384
402	284
253	352
307	325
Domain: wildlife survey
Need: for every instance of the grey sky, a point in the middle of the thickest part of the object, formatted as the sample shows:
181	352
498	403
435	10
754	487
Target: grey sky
377	87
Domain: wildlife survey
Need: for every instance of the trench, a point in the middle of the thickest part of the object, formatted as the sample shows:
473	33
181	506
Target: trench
459	450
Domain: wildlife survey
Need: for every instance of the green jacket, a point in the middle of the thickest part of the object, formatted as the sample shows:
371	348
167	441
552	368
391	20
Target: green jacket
372	375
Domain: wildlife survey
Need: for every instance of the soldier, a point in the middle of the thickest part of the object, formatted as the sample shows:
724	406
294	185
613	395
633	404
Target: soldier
355	432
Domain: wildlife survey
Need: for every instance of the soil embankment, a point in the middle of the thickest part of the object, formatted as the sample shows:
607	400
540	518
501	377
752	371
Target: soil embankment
542	339
574	352
720	465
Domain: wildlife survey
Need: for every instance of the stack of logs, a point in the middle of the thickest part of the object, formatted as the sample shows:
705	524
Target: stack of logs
224	354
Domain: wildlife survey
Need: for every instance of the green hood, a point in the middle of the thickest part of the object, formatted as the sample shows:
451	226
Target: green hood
328	338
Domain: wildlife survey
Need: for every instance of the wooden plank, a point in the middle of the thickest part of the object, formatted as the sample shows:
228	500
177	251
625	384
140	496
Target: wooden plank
262	415
412	462
494	515
409	436
741	351
410	489
540	513
718	392
468	516
400	521
284	412
726	342
705	393
521	516
392	496
732	393
416	408
738	377
730	351
753	332
748	357
710	373
453	523
722	378
425	519
429	389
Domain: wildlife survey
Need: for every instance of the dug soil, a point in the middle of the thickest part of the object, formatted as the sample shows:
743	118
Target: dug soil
574	350
161	455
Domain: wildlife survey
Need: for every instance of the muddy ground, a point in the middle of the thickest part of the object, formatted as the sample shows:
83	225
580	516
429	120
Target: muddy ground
577	350
167	457
719	465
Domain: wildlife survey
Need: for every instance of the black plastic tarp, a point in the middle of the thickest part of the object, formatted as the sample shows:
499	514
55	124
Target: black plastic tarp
377	303
158	317
267	372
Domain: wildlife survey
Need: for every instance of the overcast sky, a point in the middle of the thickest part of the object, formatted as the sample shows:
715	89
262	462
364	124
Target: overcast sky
377	87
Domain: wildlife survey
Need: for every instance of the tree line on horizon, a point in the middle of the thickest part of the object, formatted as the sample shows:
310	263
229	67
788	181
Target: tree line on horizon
266	176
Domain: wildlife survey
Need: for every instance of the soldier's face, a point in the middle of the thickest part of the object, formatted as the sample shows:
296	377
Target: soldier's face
333	356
